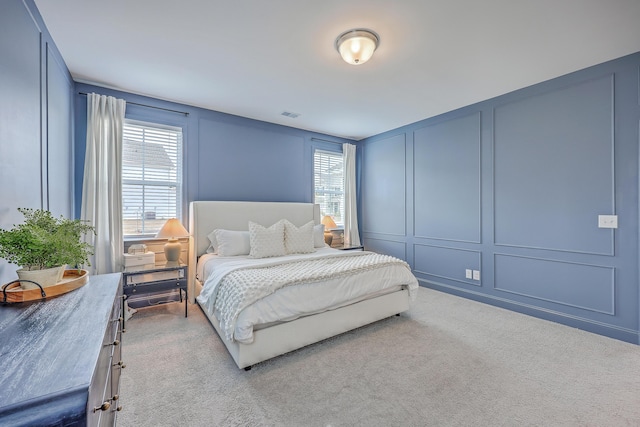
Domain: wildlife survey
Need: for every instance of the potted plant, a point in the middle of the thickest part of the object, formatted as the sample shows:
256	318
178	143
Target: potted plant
44	245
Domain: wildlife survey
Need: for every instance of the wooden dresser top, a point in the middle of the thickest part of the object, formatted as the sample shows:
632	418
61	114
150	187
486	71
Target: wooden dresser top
49	349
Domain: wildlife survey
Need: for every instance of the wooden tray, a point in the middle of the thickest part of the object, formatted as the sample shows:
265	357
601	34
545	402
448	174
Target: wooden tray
72	279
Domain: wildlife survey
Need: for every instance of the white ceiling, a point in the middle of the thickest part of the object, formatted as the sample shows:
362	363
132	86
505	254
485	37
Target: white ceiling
257	58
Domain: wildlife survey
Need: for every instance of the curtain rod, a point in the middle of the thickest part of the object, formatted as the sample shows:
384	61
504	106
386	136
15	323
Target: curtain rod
148	106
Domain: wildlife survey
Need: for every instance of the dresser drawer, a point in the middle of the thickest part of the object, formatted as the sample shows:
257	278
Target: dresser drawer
117	364
100	413
101	406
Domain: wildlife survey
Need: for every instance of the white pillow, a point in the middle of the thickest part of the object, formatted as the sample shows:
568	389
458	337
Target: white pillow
298	240
213	246
266	242
318	236
232	243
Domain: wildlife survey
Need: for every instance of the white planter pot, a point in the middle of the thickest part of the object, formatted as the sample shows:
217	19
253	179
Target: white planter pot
46	277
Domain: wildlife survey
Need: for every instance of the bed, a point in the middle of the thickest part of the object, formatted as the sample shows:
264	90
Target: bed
265	338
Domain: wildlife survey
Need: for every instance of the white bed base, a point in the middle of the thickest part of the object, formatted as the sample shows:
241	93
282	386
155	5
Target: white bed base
288	336
281	338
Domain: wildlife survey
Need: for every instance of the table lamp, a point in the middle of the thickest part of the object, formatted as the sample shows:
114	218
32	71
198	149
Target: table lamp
329	224
172	230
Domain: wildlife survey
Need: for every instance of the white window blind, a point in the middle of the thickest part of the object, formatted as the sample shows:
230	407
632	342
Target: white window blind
328	174
151	176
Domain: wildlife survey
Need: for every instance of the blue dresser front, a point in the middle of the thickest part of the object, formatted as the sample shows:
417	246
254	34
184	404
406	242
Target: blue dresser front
60	359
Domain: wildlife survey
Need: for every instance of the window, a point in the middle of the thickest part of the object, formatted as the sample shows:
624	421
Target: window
151	177
328	174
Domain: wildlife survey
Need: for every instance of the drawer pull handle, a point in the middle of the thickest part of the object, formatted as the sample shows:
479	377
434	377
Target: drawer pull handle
119	408
104	407
115	343
115	397
121	364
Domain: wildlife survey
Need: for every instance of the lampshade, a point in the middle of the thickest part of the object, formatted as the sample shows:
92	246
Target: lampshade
357	46
171	230
328	222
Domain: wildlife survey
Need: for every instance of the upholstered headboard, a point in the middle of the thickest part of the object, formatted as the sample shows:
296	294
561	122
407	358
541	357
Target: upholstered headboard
206	216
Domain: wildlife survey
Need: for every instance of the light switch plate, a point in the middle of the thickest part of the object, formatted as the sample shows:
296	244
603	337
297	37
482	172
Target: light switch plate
607	221
476	274
468	274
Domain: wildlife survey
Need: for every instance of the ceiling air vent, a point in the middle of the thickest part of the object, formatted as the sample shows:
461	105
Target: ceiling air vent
290	114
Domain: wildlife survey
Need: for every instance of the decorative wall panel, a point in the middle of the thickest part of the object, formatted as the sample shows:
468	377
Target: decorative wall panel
589	287
59	138
447	180
384	186
20	149
447	263
387	247
554	169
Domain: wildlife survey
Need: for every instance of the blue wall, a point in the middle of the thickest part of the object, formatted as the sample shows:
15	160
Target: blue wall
36	92
512	187
226	157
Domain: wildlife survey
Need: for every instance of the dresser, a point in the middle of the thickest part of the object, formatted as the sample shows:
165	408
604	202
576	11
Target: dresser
60	359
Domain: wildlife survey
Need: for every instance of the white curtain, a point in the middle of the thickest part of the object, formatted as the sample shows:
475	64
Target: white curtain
351	235
102	183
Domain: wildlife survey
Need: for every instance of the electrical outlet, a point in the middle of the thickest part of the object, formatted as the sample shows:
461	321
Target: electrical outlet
476	274
468	274
608	221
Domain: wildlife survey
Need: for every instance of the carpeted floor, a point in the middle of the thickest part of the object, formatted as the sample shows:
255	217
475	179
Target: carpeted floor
447	362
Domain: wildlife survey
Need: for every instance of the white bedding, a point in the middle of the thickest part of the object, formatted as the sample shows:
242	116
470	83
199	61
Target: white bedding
292	302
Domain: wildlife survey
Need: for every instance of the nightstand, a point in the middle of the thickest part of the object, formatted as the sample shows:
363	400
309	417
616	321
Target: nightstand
155	278
349	247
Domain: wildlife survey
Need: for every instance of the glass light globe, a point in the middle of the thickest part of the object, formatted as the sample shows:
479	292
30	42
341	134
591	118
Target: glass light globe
357	46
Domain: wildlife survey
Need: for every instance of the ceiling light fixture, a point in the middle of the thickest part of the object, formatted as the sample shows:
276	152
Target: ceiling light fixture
357	46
